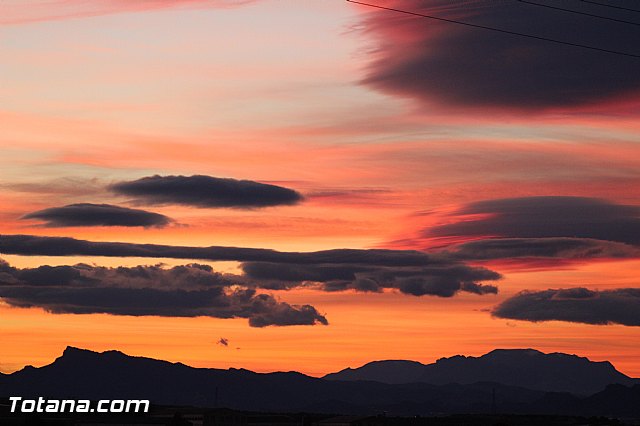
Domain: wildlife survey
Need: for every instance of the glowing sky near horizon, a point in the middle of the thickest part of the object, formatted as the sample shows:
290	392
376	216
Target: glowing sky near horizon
328	99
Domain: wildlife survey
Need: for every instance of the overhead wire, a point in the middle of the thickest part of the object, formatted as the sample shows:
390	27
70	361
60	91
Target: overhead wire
579	12
610	5
484	27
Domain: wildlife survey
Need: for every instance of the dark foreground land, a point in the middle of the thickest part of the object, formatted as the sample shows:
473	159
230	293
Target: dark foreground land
189	416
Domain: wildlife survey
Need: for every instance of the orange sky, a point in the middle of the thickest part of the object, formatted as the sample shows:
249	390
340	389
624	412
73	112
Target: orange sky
276	92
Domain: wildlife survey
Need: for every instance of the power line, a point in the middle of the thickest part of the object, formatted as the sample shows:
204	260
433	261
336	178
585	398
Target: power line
551	40
611	6
579	13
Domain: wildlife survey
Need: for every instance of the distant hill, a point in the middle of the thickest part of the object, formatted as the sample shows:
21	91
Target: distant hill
390	371
614	401
84	374
529	368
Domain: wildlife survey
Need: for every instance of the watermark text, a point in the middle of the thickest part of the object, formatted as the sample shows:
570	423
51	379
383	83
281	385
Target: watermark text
42	405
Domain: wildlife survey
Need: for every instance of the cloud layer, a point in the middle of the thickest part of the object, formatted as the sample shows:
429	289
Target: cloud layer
407	271
206	192
86	214
30	245
581	305
558	247
546	217
439	279
182	291
456	65
527	229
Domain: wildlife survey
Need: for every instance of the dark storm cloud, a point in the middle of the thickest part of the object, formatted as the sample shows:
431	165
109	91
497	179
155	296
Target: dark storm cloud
546	217
443	279
206	191
564	248
451	64
86	214
182	291
619	306
30	245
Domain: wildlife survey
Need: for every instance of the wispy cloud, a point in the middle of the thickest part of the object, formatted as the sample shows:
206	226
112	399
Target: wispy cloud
25	11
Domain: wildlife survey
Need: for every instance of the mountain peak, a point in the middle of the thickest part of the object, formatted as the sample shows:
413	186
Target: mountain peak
497	355
525	352
396	362
75	351
387	371
73	354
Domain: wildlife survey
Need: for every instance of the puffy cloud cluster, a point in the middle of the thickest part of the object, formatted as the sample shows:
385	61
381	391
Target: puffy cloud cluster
197	290
182	291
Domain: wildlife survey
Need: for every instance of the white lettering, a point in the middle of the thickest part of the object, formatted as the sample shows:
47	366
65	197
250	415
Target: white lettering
53	405
101	403
39	408
28	406
117	403
137	402
43	405
14	400
70	402
83	406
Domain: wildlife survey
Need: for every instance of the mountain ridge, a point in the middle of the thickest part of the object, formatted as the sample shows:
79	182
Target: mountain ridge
84	374
529	368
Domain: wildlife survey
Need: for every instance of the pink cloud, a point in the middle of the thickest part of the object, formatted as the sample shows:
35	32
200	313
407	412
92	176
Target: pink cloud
25	11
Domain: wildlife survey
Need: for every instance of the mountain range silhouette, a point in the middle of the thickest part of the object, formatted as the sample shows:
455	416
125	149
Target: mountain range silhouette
529	368
514	381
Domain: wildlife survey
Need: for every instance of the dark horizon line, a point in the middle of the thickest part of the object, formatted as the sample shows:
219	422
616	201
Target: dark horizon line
76	349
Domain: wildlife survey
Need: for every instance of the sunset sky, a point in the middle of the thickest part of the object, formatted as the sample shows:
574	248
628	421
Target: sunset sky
322	183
